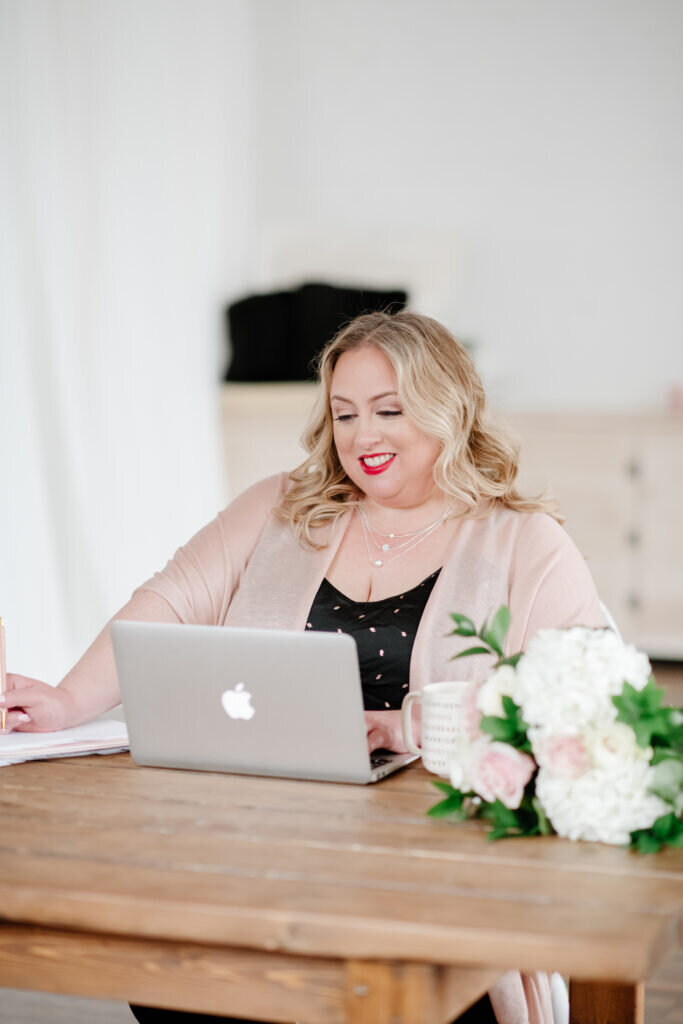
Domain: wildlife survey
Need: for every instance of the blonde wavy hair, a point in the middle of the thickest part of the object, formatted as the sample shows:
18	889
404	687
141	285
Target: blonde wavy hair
442	393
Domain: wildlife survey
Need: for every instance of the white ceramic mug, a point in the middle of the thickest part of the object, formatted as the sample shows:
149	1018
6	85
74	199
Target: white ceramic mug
443	724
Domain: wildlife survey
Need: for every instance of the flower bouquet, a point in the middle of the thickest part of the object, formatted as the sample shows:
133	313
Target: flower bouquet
567	737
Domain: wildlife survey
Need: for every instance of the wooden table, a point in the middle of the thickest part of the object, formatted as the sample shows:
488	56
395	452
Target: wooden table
312	902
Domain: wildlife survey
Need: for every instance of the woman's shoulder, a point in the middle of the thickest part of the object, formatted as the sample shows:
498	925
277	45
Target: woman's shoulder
519	528
240	523
550	584
539	551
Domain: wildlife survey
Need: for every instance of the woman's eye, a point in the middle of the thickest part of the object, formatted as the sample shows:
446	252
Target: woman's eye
344	417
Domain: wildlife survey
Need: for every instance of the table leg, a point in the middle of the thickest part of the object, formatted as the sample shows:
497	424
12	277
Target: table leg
410	993
593	1002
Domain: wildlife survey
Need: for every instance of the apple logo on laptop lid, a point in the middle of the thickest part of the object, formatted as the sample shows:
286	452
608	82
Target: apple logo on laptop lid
237	703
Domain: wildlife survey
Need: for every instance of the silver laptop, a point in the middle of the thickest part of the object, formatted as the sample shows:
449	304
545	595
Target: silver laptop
250	701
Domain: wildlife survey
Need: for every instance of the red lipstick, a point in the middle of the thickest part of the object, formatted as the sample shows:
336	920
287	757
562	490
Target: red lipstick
374	470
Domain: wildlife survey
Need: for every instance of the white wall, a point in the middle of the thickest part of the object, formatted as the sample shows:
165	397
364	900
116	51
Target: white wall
122	203
150	146
544	135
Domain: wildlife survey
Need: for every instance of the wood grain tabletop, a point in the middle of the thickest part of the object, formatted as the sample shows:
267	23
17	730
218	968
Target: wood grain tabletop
312	868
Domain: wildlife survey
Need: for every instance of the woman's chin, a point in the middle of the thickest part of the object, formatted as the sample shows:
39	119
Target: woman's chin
379	487
392	495
390	489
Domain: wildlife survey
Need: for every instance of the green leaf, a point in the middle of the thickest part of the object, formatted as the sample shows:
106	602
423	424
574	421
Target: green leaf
509	833
666	831
663	754
498	833
633	704
465	626
651	696
512	729
512	710
544	826
645	842
502	729
648	726
451	806
512	659
494	635
674	729
529	819
667	781
502	815
471	650
675	838
663	826
652	724
444	786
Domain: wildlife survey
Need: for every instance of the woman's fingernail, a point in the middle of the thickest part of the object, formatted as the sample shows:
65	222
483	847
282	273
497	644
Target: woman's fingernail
3	699
23	718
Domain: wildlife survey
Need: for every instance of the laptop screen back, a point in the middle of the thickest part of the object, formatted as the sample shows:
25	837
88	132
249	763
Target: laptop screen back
267	702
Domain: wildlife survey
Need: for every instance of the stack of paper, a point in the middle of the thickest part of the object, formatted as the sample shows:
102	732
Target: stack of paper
100	736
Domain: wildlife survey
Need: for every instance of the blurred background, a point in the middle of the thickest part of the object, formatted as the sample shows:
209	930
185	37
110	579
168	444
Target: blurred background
513	168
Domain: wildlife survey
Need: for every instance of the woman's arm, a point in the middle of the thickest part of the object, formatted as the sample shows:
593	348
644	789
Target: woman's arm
89	689
196	586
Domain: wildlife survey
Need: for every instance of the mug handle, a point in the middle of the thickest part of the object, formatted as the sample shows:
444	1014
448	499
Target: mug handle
407	722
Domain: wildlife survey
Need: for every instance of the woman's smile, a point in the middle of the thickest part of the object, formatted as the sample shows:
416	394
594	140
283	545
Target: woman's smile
373	464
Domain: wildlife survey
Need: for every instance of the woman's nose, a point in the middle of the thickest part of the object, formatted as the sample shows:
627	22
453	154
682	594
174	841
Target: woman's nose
369	432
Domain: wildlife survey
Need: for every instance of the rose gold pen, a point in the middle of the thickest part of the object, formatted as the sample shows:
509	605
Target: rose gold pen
3	673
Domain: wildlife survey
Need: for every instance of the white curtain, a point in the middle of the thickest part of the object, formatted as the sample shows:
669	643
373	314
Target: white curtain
123	184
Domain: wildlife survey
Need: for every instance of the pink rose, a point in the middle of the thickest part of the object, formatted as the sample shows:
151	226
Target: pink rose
500	772
563	755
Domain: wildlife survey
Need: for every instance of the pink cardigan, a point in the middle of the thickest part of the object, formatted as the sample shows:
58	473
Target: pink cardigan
246	568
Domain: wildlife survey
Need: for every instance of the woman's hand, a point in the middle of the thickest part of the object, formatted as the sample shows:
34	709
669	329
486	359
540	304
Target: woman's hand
33	706
384	731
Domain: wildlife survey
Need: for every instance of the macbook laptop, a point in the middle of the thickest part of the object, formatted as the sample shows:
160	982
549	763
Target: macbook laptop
249	701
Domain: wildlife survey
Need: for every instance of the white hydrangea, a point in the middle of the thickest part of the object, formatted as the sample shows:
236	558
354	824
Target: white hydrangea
609	746
566	678
601	805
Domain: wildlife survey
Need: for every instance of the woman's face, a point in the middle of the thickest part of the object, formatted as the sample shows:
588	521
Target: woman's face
382	451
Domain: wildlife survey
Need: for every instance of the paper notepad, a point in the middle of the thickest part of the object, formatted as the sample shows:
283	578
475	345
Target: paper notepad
100	736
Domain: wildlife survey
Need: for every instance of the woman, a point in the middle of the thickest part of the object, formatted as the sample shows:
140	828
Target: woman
405	510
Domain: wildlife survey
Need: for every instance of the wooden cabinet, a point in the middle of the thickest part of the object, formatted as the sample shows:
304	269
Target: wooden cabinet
262	424
618	479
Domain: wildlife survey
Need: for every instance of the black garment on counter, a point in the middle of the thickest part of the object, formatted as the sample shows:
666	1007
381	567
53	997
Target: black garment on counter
480	1013
276	336
384	632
